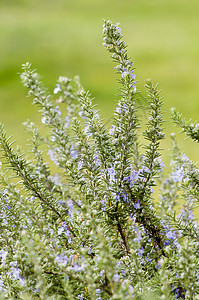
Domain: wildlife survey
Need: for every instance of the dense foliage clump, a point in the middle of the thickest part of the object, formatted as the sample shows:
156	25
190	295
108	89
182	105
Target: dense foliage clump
90	225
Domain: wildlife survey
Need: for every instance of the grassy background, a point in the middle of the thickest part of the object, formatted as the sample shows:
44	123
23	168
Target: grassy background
63	37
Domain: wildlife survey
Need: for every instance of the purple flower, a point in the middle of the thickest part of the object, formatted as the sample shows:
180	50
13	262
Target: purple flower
44	120
81	114
159	164
55	179
57	89
103	201
90	250
98	291
87	130
70	207
73	152
130	289
140	252
190	215
125	196
52	157
111	173
170	235
133	178
1	283
117	68
178	294
147	258
131	74
15	272
56	110
53	138
80	165
112	130
67	119
116	277
124	73
97	161
77	268
118	109
137	204
60	230
157	266
178	174
61	259
3	255
118	28
117	198
144	170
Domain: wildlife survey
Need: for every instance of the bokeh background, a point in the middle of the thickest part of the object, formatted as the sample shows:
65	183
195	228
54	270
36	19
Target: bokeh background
63	37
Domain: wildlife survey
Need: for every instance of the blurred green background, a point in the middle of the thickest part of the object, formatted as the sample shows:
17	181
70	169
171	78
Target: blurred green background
63	37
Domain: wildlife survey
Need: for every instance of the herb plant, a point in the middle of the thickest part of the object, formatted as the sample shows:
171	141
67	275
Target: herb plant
88	225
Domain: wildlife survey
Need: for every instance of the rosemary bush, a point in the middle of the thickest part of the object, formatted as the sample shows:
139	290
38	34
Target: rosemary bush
89	225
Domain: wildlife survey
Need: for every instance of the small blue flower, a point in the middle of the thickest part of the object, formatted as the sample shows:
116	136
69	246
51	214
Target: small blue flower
15	272
57	89
70	207
131	289
125	196
137	204
61	259
131	74
44	120
53	138
178	174
3	255
112	130
98	291
103	201
116	277
111	173
73	152
1	283
157	266
97	161
52	156
8	206
118	109
81	114
80	165
56	110
117	198
90	250
77	268
55	179
159	164
170	235
67	120
148	259
87	130
190	215
140	251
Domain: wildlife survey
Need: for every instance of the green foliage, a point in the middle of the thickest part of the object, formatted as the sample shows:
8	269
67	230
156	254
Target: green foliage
93	229
190	129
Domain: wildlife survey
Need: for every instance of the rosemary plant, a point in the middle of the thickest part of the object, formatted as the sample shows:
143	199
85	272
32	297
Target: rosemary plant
86	224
